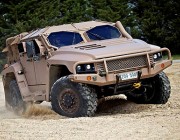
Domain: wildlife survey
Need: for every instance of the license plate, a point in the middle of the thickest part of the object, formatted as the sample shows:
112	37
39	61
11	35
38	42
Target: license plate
129	75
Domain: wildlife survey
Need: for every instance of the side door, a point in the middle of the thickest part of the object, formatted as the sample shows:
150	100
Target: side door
35	66
40	64
25	51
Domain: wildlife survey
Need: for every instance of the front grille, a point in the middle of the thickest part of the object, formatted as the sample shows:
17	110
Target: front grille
100	66
126	63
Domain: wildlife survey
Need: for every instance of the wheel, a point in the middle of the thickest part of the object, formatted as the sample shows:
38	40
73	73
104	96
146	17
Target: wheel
73	99
14	100
154	90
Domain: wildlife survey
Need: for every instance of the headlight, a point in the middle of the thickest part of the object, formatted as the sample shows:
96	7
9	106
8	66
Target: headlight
78	68
88	67
157	56
85	68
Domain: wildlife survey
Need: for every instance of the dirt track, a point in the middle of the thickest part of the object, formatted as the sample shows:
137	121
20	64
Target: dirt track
115	119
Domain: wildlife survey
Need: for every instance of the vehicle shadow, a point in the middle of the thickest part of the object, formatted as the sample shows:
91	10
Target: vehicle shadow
120	106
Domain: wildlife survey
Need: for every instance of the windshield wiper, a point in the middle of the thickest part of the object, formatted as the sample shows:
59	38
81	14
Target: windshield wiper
98	36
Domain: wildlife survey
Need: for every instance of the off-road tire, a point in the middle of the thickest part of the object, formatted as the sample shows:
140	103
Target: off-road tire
81	102
15	101
160	88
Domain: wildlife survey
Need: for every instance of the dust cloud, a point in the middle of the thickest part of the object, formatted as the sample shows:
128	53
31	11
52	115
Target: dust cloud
40	111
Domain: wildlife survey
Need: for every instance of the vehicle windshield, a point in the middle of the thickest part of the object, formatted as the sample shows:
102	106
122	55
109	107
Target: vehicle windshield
60	39
103	32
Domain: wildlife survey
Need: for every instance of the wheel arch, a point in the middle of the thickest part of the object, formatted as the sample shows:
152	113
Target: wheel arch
8	75
11	73
56	72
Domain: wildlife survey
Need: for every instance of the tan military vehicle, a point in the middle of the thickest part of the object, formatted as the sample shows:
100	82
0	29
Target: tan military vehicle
75	65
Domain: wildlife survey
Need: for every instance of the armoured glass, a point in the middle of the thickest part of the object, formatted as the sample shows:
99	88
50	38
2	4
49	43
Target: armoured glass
60	39
103	32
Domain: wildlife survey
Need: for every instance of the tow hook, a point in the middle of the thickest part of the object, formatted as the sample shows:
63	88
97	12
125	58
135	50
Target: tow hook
137	85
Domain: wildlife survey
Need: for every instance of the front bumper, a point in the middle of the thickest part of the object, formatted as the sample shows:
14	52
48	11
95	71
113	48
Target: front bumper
147	71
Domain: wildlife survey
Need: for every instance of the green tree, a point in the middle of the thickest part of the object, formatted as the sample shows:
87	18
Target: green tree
113	10
107	10
21	15
75	10
159	22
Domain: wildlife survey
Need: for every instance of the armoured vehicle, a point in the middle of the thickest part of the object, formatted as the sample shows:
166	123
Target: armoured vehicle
75	65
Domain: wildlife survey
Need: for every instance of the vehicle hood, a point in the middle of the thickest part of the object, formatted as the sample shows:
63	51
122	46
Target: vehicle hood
69	55
105	48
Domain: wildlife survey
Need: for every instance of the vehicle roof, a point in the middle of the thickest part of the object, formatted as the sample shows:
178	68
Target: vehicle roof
73	27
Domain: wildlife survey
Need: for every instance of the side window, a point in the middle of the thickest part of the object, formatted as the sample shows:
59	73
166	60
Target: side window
32	49
21	48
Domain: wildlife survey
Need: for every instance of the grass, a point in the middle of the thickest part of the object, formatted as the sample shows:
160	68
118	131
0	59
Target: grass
175	57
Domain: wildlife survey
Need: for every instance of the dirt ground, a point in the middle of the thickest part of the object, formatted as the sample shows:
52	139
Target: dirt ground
115	119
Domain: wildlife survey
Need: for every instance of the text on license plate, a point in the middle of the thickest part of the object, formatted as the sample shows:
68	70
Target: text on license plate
129	75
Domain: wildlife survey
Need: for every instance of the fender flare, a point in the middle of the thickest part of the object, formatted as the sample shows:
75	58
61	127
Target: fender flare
19	77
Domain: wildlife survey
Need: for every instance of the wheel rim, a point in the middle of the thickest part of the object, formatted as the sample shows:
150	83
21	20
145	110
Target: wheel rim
148	90
69	101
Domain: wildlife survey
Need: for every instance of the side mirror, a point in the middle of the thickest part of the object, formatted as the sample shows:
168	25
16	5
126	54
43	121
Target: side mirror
128	30
31	51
